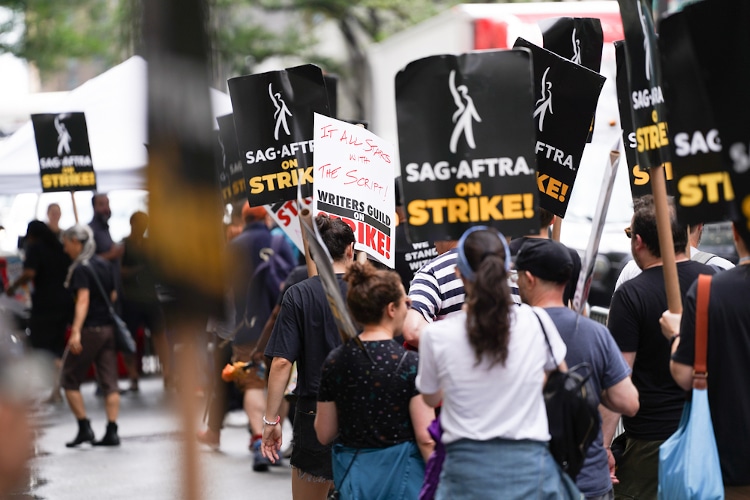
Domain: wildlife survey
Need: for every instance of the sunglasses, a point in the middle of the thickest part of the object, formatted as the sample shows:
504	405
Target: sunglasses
628	232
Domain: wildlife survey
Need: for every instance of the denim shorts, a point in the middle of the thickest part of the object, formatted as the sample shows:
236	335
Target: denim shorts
501	468
308	455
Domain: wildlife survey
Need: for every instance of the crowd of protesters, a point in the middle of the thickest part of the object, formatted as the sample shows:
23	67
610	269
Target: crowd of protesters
484	322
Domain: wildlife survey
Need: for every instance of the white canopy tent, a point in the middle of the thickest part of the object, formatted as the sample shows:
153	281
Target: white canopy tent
115	105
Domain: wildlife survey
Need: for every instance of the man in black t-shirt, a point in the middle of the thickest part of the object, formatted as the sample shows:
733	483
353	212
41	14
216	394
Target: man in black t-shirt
634	322
728	362
305	332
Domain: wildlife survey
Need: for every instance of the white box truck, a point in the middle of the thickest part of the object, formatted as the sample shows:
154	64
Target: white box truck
469	27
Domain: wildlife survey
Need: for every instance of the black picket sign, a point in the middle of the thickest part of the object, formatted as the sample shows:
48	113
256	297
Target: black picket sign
703	185
566	95
644	84
721	43
62	143
466	143
233	187
579	39
273	117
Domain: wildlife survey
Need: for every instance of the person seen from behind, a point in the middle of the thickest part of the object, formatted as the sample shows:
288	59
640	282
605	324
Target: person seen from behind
140	302
544	267
305	331
487	365
46	265
368	401
728	359
634	322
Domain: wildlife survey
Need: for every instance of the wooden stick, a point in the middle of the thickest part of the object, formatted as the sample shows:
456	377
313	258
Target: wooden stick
75	208
305	215
666	243
556	228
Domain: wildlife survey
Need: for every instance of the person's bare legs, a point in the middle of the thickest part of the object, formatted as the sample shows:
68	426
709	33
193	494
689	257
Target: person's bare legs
112	405
304	489
75	402
254	403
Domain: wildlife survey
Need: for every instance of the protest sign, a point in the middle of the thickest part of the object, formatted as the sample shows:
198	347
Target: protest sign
639	179
273	117
579	39
332	87
721	41
644	84
703	185
62	144
566	95
466	144
649	121
221	172
354	174
233	186
286	216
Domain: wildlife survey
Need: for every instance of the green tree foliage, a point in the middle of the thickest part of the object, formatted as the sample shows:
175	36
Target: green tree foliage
243	32
48	32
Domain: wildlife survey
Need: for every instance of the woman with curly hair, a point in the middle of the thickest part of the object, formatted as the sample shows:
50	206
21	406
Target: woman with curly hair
368	398
487	365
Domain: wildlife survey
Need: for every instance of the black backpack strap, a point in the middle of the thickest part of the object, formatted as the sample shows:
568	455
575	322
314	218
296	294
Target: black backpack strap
546	338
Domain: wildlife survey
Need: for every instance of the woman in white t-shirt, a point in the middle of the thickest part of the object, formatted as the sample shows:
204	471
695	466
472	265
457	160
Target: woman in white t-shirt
487	365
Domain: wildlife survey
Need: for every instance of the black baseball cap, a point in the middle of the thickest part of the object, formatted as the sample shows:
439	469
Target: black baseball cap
545	259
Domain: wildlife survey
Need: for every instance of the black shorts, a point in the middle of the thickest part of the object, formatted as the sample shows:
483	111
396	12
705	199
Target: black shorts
98	344
308	455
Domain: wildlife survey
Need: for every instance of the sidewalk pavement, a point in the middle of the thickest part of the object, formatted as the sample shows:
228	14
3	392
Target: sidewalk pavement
148	465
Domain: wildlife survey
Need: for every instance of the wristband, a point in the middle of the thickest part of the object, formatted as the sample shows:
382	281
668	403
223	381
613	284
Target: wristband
673	338
276	422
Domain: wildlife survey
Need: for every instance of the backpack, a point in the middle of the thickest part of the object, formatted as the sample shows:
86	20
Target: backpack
705	258
572	412
263	291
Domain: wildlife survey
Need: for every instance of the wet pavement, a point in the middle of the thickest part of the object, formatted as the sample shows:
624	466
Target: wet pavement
148	465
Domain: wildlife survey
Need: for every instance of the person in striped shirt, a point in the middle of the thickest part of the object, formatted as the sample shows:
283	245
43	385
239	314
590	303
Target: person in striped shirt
436	292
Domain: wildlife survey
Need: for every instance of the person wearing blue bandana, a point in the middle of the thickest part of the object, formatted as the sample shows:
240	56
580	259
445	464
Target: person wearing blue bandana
487	365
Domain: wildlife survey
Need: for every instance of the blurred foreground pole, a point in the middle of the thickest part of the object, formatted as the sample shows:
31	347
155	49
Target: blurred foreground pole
184	205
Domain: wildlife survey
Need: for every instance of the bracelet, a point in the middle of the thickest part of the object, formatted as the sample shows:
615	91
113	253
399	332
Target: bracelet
673	338
276	422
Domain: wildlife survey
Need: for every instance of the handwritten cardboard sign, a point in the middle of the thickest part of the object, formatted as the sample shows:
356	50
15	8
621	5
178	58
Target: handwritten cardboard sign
354	179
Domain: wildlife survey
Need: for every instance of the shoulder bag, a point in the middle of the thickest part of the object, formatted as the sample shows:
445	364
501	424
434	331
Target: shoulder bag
572	412
689	465
123	338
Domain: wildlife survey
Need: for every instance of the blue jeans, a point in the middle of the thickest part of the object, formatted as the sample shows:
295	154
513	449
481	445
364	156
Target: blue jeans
501	468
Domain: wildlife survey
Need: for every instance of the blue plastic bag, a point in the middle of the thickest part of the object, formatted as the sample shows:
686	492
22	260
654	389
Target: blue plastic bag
689	466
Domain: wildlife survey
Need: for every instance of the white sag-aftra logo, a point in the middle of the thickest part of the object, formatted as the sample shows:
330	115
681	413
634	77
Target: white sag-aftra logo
646	44
544	103
281	112
464	115
576	48
63	136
